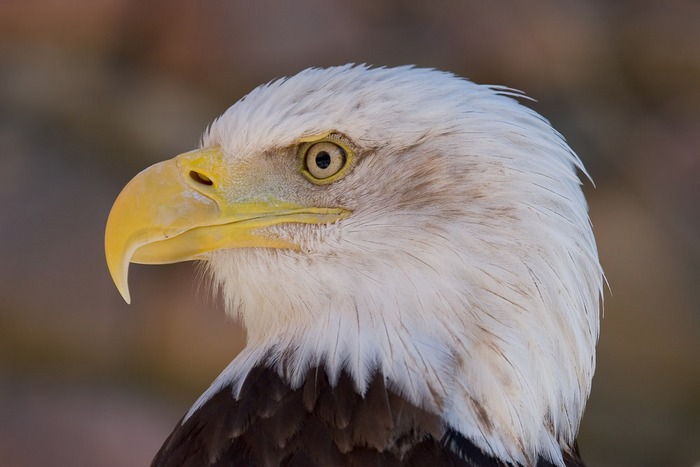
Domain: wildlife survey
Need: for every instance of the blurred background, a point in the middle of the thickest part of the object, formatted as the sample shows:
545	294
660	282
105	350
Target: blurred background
92	92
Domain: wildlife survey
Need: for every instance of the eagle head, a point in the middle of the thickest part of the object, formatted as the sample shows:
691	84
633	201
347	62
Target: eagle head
394	221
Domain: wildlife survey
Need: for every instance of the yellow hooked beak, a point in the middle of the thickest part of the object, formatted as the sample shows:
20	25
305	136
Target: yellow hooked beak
179	209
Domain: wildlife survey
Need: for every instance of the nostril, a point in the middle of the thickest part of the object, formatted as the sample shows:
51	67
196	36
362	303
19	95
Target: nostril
201	178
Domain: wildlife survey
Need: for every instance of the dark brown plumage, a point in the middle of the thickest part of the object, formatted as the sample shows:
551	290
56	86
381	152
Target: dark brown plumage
318	424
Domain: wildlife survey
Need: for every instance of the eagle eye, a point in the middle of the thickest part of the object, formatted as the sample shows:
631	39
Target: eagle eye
324	161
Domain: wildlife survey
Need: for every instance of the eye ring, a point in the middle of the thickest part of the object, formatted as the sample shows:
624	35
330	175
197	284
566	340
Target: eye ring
324	161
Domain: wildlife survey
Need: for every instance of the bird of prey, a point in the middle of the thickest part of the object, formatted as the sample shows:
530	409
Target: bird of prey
412	259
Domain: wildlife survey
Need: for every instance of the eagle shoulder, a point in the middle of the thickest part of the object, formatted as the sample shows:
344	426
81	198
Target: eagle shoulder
318	424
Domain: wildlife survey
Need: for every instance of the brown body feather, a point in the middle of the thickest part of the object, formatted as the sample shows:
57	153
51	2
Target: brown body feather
318	424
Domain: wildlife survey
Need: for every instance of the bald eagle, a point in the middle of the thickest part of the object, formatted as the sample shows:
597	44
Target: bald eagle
412	259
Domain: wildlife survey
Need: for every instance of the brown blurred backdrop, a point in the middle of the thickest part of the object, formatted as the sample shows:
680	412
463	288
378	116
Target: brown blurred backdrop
93	91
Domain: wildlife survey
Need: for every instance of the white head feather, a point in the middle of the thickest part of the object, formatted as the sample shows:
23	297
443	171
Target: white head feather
467	274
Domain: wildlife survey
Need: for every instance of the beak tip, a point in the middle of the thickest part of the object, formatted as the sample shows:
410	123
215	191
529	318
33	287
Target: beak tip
125	295
123	285
123	288
119	270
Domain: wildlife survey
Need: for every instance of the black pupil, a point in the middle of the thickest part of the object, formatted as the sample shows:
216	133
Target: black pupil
323	160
